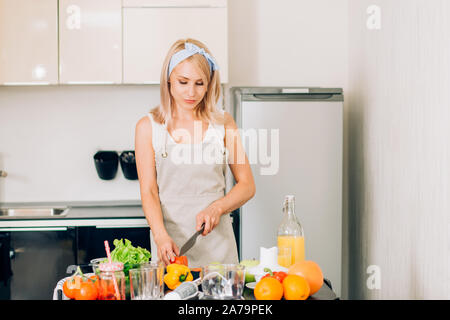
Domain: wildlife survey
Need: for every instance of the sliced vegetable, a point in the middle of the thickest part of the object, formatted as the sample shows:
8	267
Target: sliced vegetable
180	260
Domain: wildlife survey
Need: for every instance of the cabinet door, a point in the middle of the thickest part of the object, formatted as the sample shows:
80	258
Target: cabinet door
149	33
90	41
28	42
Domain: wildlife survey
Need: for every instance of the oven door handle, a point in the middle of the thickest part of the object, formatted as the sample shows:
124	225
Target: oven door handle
121	226
34	229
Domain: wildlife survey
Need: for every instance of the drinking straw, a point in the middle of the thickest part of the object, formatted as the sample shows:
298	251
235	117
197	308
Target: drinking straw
108	253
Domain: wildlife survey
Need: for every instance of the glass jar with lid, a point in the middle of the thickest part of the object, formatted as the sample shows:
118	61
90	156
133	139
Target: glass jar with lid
111	281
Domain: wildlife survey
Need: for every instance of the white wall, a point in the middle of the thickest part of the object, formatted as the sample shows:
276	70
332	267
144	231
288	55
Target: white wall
48	136
398	149
288	42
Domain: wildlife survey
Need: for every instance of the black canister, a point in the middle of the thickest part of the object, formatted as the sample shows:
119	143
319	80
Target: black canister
128	165
106	163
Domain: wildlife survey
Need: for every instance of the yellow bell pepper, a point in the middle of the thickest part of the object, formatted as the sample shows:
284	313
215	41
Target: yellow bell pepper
176	274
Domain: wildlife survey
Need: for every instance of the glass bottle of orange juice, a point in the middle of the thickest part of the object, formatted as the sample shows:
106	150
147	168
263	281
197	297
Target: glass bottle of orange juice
291	242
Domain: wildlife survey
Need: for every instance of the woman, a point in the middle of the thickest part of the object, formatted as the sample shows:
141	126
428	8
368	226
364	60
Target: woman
182	149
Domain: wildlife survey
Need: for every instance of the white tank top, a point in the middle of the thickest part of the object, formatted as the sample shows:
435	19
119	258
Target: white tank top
215	133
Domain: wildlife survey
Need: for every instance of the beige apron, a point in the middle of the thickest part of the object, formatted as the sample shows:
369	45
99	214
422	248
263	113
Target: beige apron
190	177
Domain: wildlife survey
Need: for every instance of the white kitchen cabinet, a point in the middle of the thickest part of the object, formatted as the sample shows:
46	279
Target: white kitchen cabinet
174	3
28	42
90	41
150	28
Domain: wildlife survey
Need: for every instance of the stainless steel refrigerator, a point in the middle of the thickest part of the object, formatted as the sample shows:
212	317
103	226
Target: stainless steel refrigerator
294	141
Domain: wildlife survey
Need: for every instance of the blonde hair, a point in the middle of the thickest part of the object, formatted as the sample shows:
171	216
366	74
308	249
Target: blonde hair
206	109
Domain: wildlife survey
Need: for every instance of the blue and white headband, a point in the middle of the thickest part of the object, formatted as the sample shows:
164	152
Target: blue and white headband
189	50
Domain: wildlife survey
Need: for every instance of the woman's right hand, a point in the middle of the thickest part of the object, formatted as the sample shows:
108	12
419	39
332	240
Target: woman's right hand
167	249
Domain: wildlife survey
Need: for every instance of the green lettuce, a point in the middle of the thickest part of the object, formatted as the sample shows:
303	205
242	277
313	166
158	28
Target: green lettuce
130	256
124	252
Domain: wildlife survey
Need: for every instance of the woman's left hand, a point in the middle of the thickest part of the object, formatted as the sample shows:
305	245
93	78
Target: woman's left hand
210	217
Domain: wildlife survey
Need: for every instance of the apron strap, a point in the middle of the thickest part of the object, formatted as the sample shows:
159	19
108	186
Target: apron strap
166	135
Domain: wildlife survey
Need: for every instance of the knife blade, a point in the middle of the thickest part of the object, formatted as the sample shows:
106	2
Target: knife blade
191	241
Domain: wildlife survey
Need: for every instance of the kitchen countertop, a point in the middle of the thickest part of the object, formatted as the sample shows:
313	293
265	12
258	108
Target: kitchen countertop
85	209
94	213
105	212
325	293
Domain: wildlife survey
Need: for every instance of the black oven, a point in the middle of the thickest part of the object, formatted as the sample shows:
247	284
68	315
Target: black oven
38	258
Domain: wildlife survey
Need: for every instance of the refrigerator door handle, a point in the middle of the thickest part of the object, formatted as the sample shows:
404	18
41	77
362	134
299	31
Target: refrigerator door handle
293	97
294	90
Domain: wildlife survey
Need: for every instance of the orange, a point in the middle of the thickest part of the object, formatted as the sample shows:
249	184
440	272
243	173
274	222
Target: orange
295	288
311	272
268	289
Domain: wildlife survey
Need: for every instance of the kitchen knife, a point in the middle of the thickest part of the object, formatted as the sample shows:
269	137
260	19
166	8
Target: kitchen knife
191	241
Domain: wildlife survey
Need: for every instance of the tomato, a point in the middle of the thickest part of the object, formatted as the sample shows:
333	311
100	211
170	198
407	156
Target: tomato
180	260
87	291
71	286
280	276
94	278
80	287
277	275
267	275
96	281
